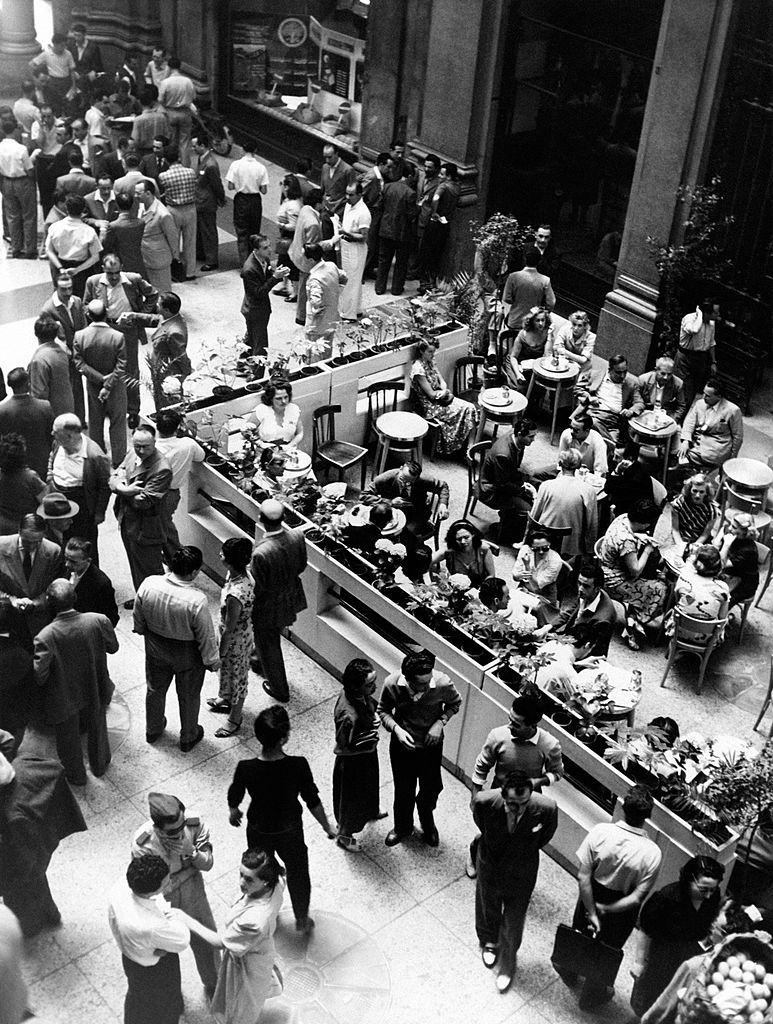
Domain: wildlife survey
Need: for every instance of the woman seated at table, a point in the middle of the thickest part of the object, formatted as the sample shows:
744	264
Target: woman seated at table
278	417
698	591
458	419
466	552
529	343
740	557
694	514
574	341
624	552
537	568
268	478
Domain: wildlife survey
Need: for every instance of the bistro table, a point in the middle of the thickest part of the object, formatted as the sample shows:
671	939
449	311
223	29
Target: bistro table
553	378
623	695
656	429
745	483
405	429
501	406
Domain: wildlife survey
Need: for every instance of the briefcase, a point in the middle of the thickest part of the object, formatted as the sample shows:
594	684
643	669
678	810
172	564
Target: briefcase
577	952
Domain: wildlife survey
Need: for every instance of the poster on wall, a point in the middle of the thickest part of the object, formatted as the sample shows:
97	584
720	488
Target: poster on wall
268	49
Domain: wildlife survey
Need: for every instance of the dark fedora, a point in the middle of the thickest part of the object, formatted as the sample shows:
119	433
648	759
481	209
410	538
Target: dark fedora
57	506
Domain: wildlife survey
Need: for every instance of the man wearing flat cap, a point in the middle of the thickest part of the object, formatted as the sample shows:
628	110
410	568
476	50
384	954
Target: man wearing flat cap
183	842
278	561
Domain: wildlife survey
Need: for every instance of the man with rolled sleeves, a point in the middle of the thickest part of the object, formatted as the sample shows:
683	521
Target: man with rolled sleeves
182	841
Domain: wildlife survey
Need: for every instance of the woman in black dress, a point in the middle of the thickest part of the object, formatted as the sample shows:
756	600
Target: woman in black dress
740	558
673	921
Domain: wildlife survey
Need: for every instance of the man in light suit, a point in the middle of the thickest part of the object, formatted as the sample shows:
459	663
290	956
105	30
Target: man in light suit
278	561
99	354
79	470
160	241
49	368
68	310
258	279
20	413
663	386
71	667
515	824
140	484
323	290
28	563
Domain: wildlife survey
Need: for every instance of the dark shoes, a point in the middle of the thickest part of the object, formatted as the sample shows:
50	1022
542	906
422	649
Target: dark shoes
274	696
190	744
220	707
394	837
151	737
429	832
304	924
209	266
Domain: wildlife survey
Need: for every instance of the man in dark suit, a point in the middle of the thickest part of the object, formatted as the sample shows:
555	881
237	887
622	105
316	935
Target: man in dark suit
101	208
124	236
663	386
87	57
71	667
278	561
76	181
113	164
79	470
409	489
515	824
258	279
49	368
140	484
28	563
93	590
373	184
99	353
589	619
33	418
398	216
336	175
16	680
210	195
502	484
155	163
169	341
142	297
68	310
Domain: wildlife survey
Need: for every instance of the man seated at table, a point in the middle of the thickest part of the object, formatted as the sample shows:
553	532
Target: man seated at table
588	442
661	387
611	398
589	617
537	570
412	491
712	431
495	595
502	484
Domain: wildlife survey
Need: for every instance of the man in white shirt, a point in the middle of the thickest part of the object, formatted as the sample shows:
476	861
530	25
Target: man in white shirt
150	936
180	644
247	178
176	94
157	69
181	453
581	436
96	119
618	868
355	226
25	109
17	185
80	471
696	357
72	245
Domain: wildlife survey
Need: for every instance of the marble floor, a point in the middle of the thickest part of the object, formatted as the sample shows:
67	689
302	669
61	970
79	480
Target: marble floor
395	937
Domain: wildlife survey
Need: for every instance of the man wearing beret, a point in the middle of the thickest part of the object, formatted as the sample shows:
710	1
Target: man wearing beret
183	842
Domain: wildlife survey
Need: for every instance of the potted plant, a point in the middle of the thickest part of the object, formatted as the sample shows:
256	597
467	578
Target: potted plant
211	431
329	523
303	496
303	349
340	343
220	364
357	337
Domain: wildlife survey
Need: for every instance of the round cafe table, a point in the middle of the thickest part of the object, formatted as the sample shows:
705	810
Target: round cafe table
404	430
648	429
552	380
501	406
622	694
745	481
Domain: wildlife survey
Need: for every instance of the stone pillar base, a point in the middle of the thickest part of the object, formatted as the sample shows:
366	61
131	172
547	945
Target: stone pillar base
627	322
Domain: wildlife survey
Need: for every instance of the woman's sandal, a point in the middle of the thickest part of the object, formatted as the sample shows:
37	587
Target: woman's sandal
219	706
223	732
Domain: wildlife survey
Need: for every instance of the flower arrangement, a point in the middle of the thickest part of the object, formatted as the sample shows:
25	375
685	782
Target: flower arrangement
329	517
246	459
303	496
387	558
220	363
304	347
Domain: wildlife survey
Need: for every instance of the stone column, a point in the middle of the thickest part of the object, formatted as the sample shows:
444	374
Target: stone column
18	42
673	149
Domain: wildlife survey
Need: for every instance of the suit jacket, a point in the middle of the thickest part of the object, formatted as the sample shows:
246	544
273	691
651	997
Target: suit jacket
110	163
94	593
124	236
501	479
45	569
160	239
70	321
71	664
277	564
169	344
153	166
127	182
510	861
594	628
209	186
49	372
33	418
90	60
76	184
399	211
140	294
386	485
16	685
99	353
96	209
568	501
673	401
257	287
96	473
140	516
334	181
631	394
60	163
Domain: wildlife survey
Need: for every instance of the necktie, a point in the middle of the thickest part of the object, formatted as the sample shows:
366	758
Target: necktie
26	563
66	317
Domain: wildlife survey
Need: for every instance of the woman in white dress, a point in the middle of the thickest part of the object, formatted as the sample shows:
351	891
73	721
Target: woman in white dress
248	975
353	234
278	417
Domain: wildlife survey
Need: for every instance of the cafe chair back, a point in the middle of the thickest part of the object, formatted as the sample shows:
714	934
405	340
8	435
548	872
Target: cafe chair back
693	636
766	703
555	533
475	456
329	451
383	396
768	562
468	378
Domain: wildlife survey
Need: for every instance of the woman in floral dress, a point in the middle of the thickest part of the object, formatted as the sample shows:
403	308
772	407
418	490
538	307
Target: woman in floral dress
236	636
458	419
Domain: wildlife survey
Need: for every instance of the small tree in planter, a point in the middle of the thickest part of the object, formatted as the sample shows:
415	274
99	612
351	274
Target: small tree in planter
304	348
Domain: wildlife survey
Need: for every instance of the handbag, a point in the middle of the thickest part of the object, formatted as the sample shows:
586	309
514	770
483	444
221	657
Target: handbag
445	399
577	952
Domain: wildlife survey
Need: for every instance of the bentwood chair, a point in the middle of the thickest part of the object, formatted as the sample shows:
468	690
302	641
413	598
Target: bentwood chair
468	378
475	456
334	453
693	636
382	397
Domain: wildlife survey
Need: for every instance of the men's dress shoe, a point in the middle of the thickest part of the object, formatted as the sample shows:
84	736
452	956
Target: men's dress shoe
190	744
76	780
209	266
128	605
304	924
394	837
504	981
489	954
595	1001
191	277
151	737
431	837
273	695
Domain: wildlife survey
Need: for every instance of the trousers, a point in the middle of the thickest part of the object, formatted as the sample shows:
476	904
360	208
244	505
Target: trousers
291	849
191	897
268	647
185	219
206	237
21	207
154	993
144	559
411	769
168	508
166	660
257	331
114	409
248	213
180	131
68	744
694	368
389	249
500	914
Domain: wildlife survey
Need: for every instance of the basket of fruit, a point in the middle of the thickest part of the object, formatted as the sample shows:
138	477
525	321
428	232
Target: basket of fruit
736	986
